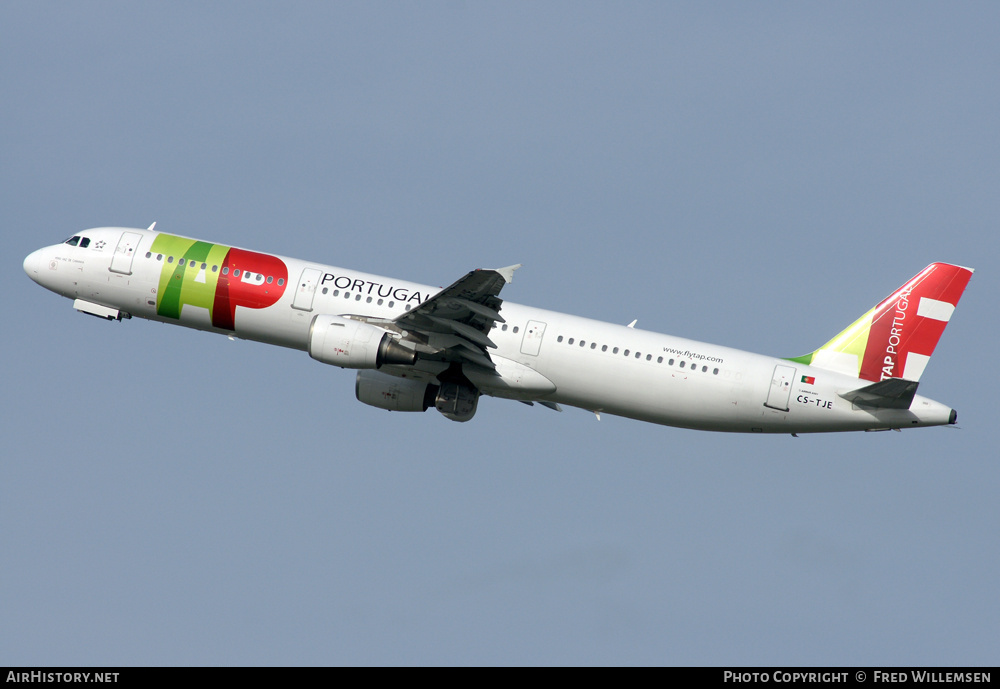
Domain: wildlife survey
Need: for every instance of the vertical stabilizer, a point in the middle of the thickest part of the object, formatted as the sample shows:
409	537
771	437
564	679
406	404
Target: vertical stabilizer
896	338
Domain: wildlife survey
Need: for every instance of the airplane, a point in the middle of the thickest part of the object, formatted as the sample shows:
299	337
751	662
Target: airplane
415	347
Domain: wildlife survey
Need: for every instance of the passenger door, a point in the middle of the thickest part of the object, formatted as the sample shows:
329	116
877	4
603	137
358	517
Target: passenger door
781	387
305	290
121	262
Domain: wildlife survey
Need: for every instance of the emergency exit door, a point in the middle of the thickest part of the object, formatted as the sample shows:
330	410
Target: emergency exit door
532	340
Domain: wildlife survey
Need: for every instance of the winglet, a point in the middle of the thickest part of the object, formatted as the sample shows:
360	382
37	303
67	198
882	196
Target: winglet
507	273
150	228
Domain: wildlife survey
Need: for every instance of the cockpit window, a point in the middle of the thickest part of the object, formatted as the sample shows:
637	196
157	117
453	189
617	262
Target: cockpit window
73	241
84	242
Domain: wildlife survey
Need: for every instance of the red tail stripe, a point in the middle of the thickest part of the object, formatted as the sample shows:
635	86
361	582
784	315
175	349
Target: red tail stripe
896	329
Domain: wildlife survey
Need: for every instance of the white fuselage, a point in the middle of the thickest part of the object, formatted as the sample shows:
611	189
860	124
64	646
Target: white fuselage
598	366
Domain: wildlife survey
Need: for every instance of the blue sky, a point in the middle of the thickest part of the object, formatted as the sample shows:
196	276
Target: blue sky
752	176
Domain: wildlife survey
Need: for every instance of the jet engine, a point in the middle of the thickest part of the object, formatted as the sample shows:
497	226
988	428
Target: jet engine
456	401
355	344
395	394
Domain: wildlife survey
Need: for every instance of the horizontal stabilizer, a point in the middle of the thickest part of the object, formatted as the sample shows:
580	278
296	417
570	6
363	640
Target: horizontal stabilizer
891	393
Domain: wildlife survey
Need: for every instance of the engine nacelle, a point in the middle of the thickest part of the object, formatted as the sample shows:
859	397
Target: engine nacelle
457	401
355	344
395	394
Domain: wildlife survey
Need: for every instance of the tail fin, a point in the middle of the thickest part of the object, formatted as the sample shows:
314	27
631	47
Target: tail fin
896	338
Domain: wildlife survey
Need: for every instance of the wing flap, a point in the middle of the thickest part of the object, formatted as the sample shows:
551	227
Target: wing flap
475	358
467	331
481	309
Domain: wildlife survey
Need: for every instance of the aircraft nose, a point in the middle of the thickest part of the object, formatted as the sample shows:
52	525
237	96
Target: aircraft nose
33	264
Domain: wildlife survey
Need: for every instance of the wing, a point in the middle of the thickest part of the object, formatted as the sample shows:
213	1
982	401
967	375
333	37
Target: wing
454	324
